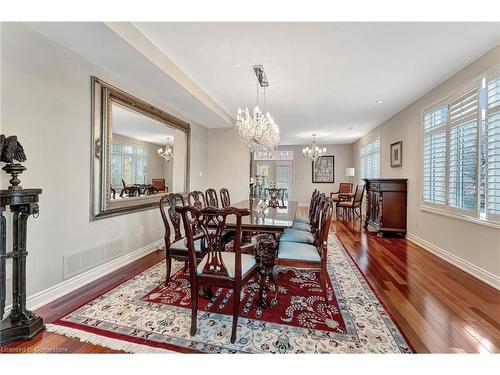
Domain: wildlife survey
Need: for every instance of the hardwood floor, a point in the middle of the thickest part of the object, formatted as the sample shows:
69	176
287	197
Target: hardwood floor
440	308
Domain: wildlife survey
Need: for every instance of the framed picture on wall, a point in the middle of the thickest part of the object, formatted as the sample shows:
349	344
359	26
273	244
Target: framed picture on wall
397	154
323	170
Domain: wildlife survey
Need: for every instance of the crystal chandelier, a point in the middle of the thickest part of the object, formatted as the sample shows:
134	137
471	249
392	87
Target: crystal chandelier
168	153
257	130
314	152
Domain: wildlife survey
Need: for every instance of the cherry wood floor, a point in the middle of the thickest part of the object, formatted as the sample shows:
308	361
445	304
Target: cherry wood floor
440	308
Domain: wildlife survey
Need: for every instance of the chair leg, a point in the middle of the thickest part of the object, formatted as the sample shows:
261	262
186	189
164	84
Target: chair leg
276	274
236	312
324	284
194	309
169	267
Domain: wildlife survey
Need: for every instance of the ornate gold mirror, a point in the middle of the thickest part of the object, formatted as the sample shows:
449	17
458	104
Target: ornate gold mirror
139	153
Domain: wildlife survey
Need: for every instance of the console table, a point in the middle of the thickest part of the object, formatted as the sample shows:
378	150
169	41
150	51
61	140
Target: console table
386	200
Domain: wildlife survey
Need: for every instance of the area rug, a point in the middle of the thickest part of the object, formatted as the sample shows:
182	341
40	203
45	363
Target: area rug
142	315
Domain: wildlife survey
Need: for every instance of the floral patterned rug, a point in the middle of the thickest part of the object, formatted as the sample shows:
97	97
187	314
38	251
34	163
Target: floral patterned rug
142	315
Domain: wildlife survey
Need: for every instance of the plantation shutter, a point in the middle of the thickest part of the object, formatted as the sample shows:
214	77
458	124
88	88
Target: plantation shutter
463	152
434	166
493	149
370	159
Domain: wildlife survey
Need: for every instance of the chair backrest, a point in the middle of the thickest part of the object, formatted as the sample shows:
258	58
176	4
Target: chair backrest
274	196
197	199
225	199
171	200
159	183
211	198
320	203
358	195
312	205
345	187
204	220
325	222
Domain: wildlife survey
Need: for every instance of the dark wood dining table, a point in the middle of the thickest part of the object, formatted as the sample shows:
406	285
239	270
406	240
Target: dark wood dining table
271	220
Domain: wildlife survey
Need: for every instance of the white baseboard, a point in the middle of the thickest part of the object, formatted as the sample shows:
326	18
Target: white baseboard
477	272
67	286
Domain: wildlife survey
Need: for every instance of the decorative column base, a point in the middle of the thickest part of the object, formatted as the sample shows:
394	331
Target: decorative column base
21	330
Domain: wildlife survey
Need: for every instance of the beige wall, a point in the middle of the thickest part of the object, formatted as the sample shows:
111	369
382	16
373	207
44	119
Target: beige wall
302	171
45	101
472	246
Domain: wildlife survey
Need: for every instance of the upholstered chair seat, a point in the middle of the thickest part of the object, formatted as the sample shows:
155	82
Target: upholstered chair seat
300	219
300	236
301	226
247	262
181	245
298	251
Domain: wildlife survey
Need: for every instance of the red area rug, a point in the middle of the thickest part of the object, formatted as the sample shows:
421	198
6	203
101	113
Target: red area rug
144	315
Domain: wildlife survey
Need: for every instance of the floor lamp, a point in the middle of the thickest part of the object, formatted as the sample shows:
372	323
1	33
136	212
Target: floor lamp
349	172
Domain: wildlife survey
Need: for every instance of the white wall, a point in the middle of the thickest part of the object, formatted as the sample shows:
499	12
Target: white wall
467	244
228	163
302	171
45	101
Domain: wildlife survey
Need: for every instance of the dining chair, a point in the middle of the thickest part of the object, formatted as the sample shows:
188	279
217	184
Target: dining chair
313	223
353	206
344	187
273	195
159	183
176	249
197	199
211	198
307	219
218	268
300	256
131	191
308	236
225	199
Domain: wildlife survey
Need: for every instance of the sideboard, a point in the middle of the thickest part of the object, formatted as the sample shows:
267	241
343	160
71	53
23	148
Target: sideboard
386	205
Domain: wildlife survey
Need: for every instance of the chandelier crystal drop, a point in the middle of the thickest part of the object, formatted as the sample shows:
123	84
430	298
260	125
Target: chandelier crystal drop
168	153
257	129
313	152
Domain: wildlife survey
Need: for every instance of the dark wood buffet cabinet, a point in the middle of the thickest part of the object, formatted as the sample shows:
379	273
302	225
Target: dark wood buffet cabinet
386	205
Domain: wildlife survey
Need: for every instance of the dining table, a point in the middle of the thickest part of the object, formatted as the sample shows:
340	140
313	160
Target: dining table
268	220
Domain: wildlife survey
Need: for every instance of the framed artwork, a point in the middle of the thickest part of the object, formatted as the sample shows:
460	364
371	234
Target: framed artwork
397	154
323	170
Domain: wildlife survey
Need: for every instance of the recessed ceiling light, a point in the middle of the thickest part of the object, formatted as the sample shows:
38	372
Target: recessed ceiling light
380	101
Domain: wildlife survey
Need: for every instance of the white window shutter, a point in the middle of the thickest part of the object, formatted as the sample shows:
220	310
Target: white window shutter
463	151
434	165
493	149
370	159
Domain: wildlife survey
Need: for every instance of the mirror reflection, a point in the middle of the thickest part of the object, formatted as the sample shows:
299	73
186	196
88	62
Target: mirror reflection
147	156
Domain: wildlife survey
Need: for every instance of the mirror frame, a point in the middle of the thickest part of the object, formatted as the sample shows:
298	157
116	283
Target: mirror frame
103	96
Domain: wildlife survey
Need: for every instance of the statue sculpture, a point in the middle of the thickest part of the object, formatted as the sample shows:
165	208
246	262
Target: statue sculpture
10	151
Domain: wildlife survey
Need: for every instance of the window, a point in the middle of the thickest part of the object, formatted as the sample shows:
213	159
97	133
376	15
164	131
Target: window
461	153
129	162
370	159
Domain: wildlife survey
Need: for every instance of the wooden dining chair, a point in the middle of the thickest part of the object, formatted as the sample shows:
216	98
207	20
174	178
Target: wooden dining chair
306	235
159	184
176	248
344	187
218	268
353	206
293	255
307	219
197	199
211	198
225	199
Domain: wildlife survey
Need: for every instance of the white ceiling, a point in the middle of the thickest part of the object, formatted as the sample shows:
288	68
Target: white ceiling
135	125
325	78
